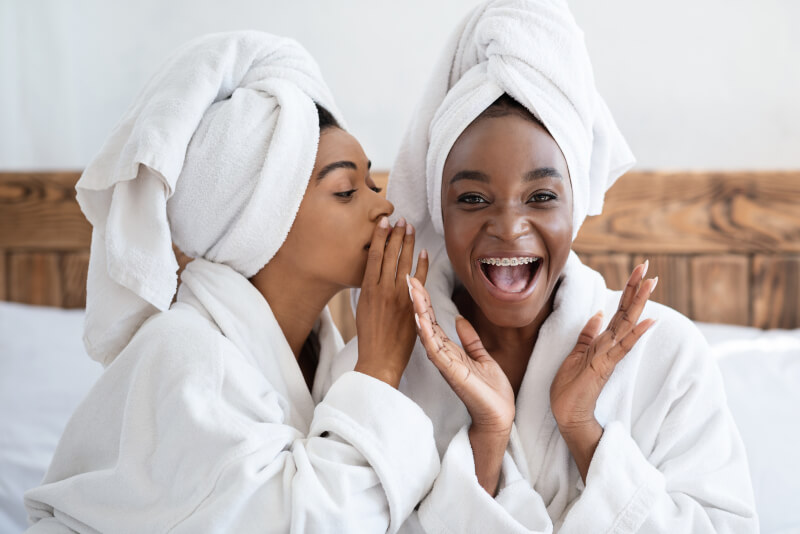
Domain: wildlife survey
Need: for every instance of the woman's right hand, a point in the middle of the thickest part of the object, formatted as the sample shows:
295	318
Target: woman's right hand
384	316
476	378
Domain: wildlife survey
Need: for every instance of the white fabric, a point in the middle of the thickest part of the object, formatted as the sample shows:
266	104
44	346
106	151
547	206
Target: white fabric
204	423
227	132
761	370
670	459
44	374
534	51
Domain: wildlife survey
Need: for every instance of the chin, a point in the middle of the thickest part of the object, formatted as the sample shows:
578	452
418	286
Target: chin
517	315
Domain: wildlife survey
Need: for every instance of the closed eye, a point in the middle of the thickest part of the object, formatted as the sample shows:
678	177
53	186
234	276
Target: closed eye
346	195
376	188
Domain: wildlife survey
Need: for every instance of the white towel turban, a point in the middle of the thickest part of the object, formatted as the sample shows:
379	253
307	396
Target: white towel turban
215	156
534	51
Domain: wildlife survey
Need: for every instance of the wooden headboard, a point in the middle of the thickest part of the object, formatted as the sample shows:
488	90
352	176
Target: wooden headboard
726	245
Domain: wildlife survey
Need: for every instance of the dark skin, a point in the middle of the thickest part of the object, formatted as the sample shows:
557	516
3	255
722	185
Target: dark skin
340	238
506	193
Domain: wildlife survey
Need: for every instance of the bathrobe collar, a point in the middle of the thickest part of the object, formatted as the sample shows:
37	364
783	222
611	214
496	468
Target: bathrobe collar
241	313
580	295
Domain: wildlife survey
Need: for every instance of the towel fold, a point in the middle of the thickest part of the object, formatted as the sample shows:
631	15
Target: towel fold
534	51
215	156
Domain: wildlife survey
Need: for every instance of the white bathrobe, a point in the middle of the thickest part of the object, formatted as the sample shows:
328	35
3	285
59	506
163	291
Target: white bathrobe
670	459
204	423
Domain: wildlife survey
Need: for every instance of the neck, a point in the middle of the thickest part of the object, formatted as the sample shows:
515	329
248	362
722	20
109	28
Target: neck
296	301
510	346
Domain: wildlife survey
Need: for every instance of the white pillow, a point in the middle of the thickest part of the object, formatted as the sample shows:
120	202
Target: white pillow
44	374
761	371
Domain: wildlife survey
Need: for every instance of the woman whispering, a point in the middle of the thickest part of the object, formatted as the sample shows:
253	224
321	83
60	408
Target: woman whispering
219	413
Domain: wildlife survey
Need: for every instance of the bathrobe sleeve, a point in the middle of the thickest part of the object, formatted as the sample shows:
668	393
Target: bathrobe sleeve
458	503
678	464
203	444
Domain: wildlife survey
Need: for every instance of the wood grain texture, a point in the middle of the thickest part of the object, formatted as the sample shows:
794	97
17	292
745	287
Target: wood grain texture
673	279
776	291
720	289
35	278
74	267
3	276
615	268
697	213
38	211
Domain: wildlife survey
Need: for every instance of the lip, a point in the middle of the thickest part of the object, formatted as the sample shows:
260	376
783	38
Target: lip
506	296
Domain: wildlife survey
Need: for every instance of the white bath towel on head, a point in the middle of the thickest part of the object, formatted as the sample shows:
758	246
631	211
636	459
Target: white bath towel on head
214	155
534	51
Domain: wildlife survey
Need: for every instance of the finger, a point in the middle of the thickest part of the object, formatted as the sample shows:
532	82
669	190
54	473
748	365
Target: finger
622	348
406	255
434	346
470	340
392	251
421	273
632	286
372	273
421	300
589	332
625	320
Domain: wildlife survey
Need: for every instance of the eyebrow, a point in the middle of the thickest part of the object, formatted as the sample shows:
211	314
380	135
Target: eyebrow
339	165
537	174
541	173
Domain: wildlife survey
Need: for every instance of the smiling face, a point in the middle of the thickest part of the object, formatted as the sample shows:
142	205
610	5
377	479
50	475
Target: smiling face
330	236
507	212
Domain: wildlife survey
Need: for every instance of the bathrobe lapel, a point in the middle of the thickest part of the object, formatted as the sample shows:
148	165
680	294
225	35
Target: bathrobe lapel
244	317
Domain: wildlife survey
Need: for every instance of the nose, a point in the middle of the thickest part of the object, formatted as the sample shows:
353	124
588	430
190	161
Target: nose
379	207
508	225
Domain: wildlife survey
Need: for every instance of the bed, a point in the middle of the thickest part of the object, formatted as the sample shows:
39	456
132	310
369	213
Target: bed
726	246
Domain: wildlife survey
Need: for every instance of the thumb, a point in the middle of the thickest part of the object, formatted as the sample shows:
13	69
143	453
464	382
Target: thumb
470	341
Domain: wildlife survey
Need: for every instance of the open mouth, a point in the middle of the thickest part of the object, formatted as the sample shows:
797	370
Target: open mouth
510	274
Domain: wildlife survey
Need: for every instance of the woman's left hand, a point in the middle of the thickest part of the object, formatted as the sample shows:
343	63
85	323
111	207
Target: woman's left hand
583	374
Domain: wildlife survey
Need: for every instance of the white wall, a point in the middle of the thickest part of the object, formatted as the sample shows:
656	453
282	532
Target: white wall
693	83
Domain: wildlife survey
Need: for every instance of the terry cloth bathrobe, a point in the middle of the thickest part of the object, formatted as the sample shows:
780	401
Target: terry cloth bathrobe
670	459
202	420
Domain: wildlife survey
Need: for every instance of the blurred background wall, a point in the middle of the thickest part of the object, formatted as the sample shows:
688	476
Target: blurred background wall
701	84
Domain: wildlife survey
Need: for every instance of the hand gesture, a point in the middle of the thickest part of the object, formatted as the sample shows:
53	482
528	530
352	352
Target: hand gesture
471	372
384	315
583	374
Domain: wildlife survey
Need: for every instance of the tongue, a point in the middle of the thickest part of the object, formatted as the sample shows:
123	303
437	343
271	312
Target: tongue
512	279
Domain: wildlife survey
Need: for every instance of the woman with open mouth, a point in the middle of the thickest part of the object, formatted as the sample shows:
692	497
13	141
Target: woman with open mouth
558	405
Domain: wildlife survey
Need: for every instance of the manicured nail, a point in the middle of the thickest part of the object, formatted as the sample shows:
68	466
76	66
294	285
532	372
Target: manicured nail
401	222
409	229
646	265
655	283
416	320
384	222
424	253
408	282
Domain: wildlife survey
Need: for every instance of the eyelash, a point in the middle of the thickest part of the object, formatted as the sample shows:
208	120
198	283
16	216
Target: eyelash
475	199
347	195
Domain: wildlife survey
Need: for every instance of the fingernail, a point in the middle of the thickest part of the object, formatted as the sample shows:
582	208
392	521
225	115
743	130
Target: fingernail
409	229
408	283
416	320
401	222
384	222
655	283
424	253
646	265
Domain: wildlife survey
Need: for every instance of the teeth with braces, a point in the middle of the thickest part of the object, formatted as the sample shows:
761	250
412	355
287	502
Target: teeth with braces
505	262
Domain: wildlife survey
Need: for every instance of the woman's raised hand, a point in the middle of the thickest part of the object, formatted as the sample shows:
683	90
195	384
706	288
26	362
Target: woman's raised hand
478	381
384	315
583	374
